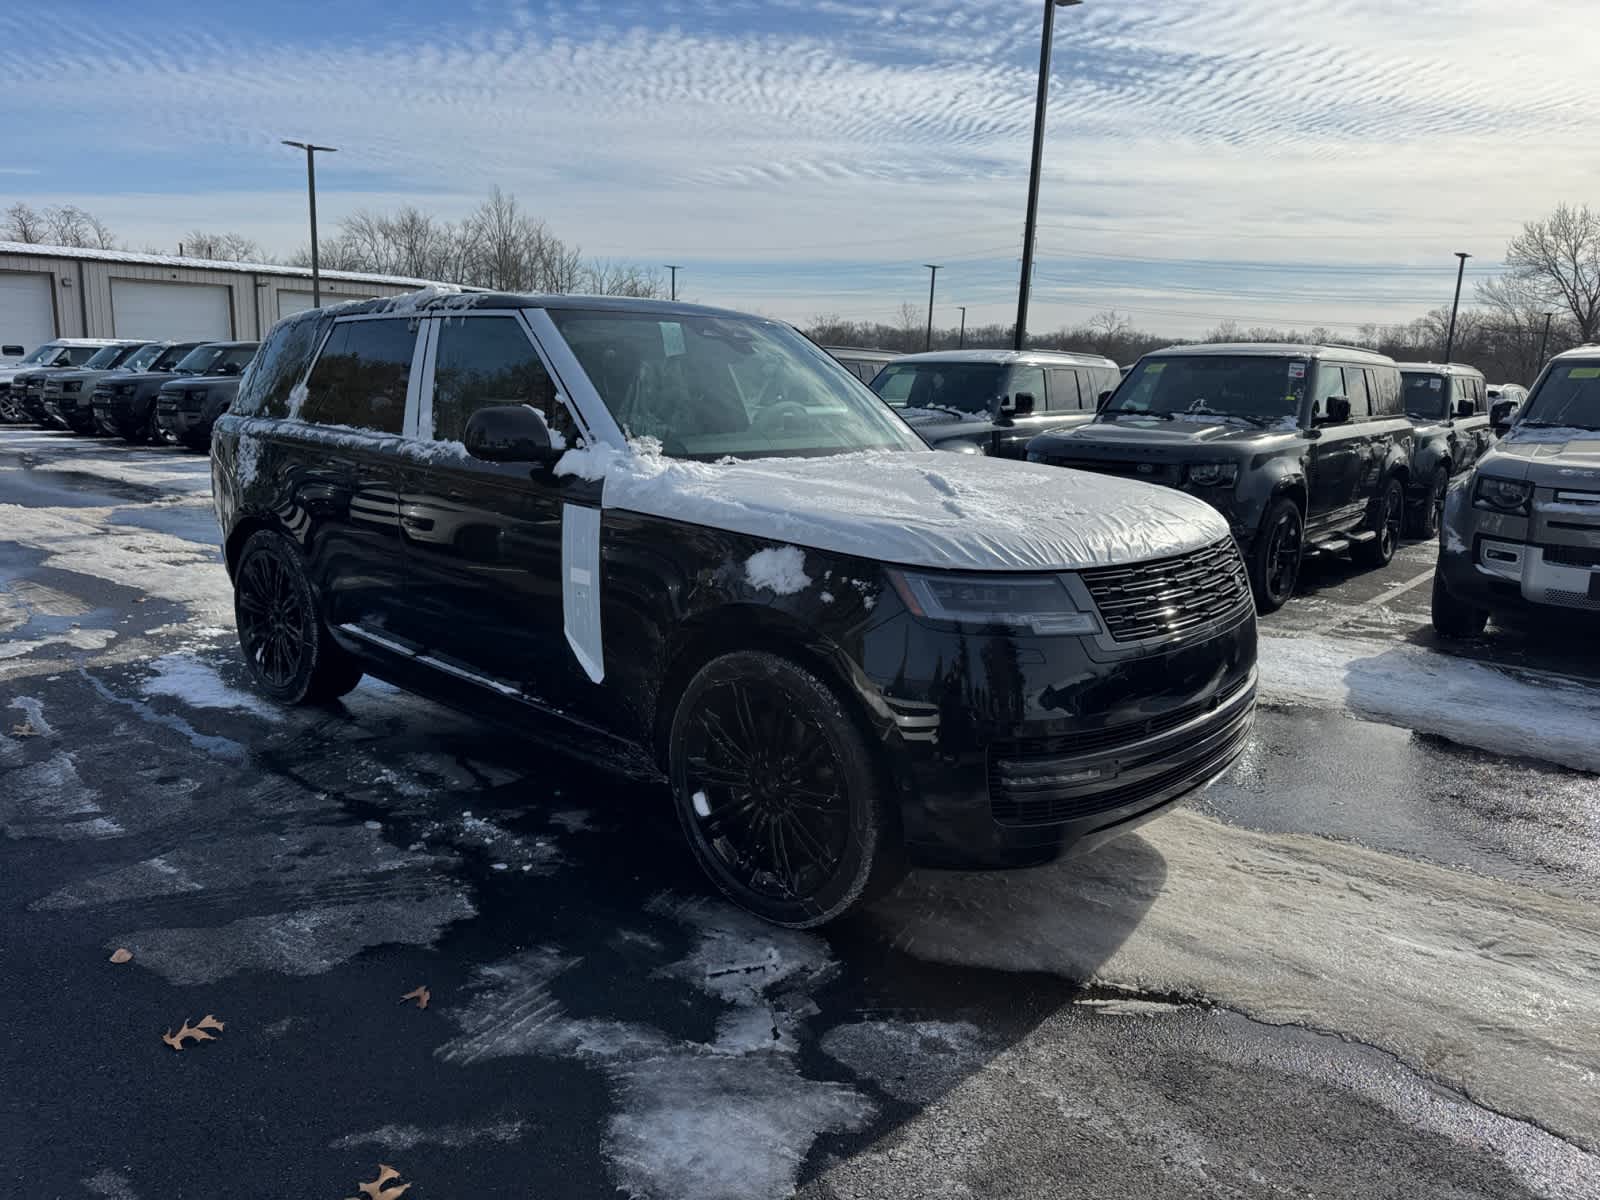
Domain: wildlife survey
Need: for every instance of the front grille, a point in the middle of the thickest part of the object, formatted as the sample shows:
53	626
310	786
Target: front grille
1113	736
1150	472
1580	600
1572	556
1170	597
1209	748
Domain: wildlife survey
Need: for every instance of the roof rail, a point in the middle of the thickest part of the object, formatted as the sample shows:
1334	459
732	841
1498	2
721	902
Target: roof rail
1359	349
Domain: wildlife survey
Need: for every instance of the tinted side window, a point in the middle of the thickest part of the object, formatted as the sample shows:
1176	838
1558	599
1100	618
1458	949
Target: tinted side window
1064	394
280	365
1386	401
1030	380
1355	388
361	376
484	361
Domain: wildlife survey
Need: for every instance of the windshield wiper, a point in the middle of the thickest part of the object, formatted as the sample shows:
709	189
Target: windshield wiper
1134	412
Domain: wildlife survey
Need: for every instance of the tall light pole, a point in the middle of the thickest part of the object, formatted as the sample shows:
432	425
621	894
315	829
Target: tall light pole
311	189
1450	340
961	344
1021	335
674	268
1545	343
933	276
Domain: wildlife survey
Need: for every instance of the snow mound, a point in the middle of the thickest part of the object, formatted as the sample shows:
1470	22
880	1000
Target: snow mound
1518	713
781	570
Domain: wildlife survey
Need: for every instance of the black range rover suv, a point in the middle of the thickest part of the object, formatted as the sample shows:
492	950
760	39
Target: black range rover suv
835	642
1303	448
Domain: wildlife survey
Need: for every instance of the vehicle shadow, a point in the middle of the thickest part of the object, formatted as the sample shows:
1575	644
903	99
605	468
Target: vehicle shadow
587	983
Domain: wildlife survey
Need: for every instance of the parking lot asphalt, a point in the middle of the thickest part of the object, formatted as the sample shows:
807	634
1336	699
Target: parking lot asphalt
1366	964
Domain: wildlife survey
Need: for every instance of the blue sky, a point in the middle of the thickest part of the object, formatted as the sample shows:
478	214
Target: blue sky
1204	162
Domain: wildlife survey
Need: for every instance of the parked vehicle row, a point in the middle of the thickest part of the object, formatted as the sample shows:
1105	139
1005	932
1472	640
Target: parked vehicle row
141	391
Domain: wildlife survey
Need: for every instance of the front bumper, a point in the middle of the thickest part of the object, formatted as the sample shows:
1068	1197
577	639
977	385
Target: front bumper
1507	563
1029	748
72	412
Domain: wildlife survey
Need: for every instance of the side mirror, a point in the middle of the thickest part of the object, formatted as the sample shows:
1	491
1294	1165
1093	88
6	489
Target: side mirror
1022	404
509	433
1465	408
1100	401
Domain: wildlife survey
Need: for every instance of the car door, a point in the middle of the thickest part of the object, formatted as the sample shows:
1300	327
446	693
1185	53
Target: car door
484	538
1367	433
342	468
1337	455
1473	429
1013	432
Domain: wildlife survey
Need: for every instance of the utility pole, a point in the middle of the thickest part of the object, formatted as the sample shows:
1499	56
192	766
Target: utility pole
311	189
962	343
674	268
1544	345
933	276
1019	339
1450	340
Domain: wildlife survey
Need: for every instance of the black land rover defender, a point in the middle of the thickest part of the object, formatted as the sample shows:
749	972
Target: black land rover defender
1448	407
1305	449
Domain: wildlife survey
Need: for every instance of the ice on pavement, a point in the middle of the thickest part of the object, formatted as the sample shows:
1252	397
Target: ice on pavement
198	685
1487	986
1523	713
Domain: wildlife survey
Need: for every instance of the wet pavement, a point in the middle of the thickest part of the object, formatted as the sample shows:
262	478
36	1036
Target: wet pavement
1365	964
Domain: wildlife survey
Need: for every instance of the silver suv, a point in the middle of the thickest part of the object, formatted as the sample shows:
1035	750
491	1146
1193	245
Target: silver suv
1522	531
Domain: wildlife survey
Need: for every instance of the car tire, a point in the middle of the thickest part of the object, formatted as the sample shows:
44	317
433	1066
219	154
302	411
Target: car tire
287	648
1388	518
778	791
1277	554
1453	618
1423	517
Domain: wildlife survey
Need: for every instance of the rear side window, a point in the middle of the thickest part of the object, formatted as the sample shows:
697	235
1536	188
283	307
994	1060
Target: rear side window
1355	390
279	365
1064	395
361	376
484	361
1386	392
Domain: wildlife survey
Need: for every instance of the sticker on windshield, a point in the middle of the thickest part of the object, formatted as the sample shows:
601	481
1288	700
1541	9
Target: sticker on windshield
1435	383
1584	373
1297	370
1155	368
671	338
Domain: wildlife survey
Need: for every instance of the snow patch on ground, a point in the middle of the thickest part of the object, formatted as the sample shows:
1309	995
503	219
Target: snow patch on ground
1519	713
198	685
1484	985
34	709
48	799
390	1138
781	570
75	639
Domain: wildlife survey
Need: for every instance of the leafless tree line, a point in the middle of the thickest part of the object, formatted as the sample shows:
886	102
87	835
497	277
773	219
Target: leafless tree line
57	225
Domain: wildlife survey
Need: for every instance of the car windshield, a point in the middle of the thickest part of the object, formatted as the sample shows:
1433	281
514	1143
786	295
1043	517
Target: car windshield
104	358
1258	388
38	355
1427	395
214	360
142	360
708	387
170	358
1568	397
951	386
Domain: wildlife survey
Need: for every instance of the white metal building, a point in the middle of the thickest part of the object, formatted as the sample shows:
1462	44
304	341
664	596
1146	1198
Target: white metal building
62	291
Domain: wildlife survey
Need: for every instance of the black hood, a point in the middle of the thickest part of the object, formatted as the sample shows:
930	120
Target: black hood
1178	437
137	377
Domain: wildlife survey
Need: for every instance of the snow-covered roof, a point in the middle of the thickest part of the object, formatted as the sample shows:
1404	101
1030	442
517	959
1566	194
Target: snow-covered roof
1439	368
1273	349
200	264
1007	357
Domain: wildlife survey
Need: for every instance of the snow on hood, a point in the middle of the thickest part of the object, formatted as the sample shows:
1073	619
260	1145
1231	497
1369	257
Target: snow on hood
917	509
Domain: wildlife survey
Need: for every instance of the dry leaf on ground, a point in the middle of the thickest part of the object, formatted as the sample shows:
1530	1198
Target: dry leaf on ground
379	1188
26	729
421	995
121	955
197	1032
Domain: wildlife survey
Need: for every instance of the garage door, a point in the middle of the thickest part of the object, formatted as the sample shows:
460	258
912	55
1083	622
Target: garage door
293	302
26	315
142	308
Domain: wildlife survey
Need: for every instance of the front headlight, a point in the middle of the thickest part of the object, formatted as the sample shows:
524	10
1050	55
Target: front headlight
125	389
1211	474
1505	495
1039	603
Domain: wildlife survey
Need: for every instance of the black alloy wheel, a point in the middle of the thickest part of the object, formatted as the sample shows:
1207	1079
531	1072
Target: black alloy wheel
1427	515
777	790
1390	516
286	646
1275	561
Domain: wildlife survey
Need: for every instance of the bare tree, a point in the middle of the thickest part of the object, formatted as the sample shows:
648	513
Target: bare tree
24	223
222	247
69	225
1559	257
604	278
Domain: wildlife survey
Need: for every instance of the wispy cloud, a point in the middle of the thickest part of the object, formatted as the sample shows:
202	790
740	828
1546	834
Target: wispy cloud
806	131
